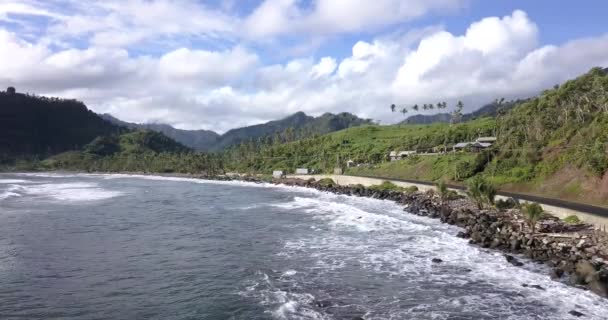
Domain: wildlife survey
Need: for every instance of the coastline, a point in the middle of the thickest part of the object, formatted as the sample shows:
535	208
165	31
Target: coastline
576	254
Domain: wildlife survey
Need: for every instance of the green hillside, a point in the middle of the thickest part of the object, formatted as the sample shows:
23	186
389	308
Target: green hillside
39	126
294	127
366	144
137	151
555	144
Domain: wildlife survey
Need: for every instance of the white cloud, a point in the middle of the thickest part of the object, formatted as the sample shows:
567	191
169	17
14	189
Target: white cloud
216	68
325	17
221	89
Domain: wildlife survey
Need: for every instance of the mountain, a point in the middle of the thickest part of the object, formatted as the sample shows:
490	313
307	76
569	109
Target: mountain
488	110
204	140
199	140
302	125
31	125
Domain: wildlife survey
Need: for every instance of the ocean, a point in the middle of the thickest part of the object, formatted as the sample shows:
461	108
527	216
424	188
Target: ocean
77	246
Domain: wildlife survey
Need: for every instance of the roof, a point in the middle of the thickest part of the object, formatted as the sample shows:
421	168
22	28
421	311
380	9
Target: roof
486	139
481	144
462	145
393	154
401	153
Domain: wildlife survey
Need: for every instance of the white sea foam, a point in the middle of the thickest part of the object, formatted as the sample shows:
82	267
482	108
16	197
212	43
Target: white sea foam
77	191
402	245
284	304
10	181
8	194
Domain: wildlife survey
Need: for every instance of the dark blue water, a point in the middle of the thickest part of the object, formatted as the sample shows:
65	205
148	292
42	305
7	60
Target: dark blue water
125	247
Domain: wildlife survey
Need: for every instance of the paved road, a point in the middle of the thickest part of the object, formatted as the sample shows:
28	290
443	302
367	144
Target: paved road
586	208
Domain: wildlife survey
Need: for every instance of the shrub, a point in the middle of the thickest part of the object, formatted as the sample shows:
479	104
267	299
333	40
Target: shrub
386	186
573	219
326	182
510	203
532	213
411	189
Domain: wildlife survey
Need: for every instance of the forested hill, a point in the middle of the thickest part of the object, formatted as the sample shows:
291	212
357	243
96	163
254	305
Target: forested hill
294	127
200	140
31	125
488	110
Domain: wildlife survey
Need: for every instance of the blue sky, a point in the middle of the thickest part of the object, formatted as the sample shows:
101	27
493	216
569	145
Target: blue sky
218	64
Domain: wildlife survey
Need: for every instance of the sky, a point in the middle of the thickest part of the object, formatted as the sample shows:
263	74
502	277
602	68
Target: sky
221	64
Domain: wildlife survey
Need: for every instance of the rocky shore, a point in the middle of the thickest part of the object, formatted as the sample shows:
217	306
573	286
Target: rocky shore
577	254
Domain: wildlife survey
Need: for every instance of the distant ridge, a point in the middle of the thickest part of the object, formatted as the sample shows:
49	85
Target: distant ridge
204	140
302	125
199	140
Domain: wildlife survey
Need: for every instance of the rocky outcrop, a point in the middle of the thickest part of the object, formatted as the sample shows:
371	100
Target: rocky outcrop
575	252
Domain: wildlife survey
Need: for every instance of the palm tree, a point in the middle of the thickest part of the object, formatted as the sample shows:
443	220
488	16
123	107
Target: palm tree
481	191
474	191
489	193
393	106
457	114
532	213
404	111
415	107
444	192
425	107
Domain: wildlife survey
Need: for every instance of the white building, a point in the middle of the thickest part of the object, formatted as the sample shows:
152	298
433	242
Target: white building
394	155
302	171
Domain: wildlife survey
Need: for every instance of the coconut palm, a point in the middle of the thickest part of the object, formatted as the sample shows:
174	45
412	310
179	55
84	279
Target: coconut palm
532	213
481	192
444	192
474	191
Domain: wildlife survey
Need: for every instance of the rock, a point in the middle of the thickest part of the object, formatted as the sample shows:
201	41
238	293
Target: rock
437	260
576	313
598	288
463	234
585	270
512	260
556	273
515	245
535	286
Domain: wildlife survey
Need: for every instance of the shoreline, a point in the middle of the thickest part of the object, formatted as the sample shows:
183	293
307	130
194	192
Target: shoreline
576	254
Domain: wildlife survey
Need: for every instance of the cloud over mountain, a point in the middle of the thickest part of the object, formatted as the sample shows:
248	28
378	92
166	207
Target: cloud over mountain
197	66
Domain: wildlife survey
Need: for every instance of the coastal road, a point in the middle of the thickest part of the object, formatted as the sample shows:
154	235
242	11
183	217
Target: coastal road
595	215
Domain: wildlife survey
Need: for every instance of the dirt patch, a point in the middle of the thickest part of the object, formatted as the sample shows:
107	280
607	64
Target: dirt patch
569	183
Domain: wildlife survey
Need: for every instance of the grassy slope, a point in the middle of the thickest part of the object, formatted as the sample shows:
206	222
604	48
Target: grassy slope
553	145
366	144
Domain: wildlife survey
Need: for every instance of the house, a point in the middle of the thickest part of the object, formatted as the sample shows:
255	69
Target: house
394	155
460	146
302	171
278	174
489	140
350	164
479	146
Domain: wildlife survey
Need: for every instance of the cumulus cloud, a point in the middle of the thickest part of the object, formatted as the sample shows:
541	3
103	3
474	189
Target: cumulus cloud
220	89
